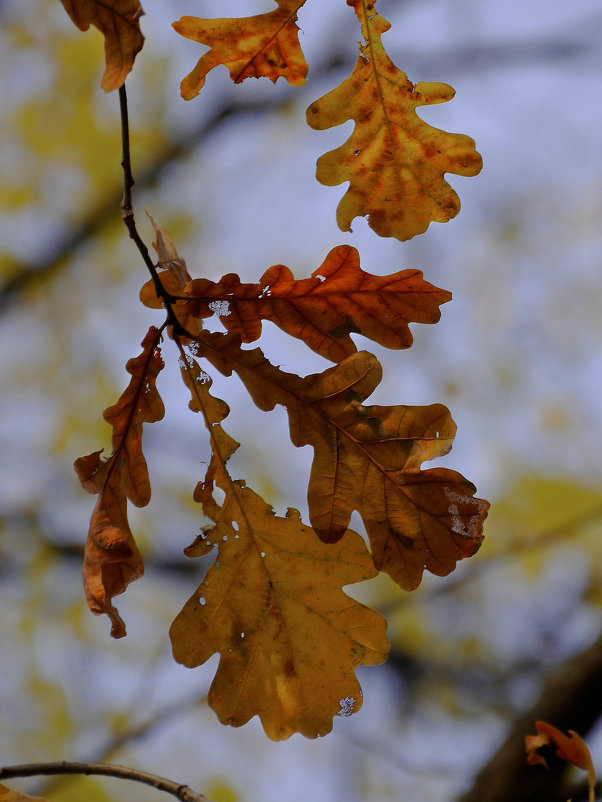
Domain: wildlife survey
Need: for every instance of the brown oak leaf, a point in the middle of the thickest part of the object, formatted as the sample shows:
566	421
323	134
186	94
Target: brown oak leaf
272	604
111	558
118	21
339	299
368	458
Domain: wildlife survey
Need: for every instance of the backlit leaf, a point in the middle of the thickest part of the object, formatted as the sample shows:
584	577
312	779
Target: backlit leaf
339	299
272	606
111	558
393	160
118	21
368	459
266	45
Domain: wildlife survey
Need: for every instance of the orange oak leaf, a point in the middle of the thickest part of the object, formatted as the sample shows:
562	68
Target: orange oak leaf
368	458
571	748
6	795
111	558
393	160
266	45
339	299
118	21
272	605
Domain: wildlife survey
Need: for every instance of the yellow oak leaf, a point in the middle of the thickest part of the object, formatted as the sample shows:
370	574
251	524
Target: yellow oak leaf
118	21
393	160
272	605
266	45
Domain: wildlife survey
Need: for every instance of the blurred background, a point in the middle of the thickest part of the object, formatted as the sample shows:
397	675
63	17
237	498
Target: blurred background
513	634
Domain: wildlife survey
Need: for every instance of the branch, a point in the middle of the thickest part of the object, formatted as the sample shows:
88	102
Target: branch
571	699
182	792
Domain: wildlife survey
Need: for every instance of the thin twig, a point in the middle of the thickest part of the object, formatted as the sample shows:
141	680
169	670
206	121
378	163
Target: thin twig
127	214
182	792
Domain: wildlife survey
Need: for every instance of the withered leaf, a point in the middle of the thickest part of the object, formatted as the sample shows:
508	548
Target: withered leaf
394	161
173	275
266	45
272	606
368	458
118	21
339	299
569	747
111	558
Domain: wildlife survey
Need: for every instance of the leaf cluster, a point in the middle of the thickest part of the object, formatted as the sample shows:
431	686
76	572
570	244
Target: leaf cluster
272	603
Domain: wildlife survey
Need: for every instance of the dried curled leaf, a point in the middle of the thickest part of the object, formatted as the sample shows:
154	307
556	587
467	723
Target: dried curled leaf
339	299
368	458
266	45
394	161
569	747
118	21
272	605
111	558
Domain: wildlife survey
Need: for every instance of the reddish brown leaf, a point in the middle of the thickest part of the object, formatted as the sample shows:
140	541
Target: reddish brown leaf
118	21
111	558
266	45
339	299
368	459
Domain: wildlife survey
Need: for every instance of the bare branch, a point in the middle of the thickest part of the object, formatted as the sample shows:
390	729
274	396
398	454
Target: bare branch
182	792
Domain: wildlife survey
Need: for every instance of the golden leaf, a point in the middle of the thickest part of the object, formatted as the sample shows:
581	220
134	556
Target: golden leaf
272	605
118	21
394	161
266	45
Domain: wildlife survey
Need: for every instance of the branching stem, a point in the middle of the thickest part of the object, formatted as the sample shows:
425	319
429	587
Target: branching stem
127	215
182	792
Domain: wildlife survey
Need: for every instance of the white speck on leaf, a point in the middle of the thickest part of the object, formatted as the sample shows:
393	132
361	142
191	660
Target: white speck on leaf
347	704
221	308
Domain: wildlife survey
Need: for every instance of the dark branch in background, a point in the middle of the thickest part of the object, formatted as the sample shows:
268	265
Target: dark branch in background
417	63
571	700
182	792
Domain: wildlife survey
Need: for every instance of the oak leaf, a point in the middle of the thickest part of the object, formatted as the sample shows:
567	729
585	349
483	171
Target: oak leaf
6	795
368	458
111	559
394	161
266	45
339	299
118	21
272	605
